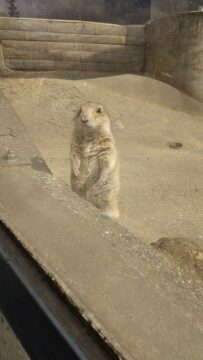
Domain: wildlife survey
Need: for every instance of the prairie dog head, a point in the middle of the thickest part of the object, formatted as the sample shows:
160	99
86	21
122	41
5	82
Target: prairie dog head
93	116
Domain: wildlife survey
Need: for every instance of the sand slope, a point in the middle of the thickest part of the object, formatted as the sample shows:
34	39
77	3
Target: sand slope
161	187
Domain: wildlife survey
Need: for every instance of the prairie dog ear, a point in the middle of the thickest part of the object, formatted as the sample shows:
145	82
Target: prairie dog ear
100	109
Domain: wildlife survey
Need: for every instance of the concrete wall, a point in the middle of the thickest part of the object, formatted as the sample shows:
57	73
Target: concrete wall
174	51
35	44
160	8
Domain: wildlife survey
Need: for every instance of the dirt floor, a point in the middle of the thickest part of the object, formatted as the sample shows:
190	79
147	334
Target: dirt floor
161	181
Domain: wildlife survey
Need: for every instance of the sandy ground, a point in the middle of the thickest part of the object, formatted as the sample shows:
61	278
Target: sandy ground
161	187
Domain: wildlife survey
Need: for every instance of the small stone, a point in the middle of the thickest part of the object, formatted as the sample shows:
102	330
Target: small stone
175	145
10	156
199	256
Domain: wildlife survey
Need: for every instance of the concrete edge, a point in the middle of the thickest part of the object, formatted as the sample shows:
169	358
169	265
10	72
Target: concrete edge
71	297
144	257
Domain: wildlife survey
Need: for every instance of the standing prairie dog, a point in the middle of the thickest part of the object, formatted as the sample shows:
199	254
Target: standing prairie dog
94	164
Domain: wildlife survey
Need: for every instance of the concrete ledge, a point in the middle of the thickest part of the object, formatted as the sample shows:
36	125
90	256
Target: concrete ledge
61	26
70	27
135	298
51	65
137	38
77	56
63	46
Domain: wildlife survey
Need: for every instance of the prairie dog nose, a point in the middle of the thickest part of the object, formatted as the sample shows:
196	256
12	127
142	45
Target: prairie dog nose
84	119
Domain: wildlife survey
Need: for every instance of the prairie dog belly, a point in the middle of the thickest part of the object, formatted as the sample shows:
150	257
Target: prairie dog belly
89	170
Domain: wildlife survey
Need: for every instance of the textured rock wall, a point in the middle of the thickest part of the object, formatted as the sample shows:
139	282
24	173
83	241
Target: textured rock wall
160	8
174	51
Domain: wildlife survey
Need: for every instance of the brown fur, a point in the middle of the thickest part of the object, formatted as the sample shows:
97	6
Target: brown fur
94	164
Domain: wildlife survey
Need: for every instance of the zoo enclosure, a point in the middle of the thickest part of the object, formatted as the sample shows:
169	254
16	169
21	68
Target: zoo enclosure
169	49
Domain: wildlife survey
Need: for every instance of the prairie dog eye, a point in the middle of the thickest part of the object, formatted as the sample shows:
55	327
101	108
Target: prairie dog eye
100	109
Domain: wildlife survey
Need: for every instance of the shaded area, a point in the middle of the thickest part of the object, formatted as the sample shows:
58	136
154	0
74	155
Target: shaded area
16	148
39	164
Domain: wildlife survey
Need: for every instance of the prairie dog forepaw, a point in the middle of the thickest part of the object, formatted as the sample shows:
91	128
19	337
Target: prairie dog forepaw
76	170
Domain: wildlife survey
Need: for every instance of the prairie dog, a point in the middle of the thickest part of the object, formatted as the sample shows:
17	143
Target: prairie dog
94	164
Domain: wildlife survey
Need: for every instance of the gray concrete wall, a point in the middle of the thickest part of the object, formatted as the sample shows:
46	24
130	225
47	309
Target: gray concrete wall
10	347
35	44
160	8
174	51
